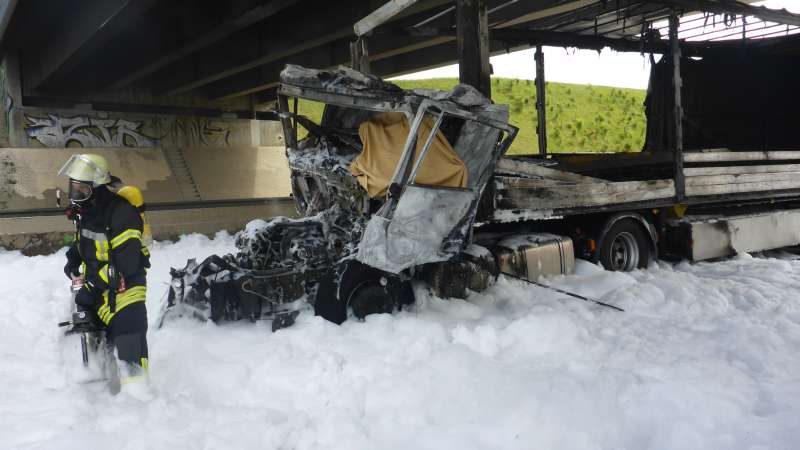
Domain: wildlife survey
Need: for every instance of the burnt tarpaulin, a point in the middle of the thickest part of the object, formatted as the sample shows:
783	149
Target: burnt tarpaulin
732	99
384	137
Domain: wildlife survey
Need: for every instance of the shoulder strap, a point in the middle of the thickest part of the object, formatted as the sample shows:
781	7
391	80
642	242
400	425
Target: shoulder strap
113	281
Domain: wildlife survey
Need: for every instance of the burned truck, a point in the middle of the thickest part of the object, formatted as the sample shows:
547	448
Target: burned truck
388	186
396	187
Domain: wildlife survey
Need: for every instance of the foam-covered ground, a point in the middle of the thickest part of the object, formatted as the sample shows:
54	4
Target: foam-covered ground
706	356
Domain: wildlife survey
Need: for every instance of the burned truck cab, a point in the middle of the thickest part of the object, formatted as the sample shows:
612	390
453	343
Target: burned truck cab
409	166
387	185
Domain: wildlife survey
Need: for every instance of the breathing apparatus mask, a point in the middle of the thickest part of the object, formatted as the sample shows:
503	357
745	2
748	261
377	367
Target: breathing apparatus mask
79	191
85	172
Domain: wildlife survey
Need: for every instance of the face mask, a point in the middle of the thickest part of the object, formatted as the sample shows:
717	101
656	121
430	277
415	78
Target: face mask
79	191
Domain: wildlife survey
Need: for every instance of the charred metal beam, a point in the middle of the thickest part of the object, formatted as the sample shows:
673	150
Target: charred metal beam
541	107
257	12
359	55
100	21
677	107
472	34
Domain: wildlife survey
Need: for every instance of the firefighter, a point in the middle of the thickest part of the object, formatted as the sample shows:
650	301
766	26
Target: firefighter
109	255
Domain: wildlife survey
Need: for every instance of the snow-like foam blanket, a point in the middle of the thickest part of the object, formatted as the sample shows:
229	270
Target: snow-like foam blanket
706	356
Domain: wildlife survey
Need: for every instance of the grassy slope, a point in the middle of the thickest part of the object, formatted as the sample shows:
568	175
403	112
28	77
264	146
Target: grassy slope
579	117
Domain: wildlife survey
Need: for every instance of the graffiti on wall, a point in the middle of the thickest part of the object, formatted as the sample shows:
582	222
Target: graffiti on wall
84	131
8	180
195	132
54	130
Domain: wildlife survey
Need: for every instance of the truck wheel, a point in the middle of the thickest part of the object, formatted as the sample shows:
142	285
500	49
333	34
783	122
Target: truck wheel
625	247
370	298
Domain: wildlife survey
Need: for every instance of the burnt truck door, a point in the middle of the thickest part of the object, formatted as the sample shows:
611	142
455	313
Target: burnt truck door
423	223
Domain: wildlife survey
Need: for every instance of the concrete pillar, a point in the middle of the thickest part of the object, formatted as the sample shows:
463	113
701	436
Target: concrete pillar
10	98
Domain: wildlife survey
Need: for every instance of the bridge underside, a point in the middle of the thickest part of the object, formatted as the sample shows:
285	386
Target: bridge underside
204	56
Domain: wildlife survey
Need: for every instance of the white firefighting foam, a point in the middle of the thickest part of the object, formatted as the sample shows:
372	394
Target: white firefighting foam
706	356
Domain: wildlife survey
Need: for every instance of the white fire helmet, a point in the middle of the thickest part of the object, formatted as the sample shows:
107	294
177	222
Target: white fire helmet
85	172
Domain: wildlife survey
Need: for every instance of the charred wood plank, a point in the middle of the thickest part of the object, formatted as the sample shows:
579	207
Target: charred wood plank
582	195
706	180
764	186
739	170
522	168
724	156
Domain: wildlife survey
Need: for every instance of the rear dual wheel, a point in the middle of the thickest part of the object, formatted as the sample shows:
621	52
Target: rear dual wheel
625	247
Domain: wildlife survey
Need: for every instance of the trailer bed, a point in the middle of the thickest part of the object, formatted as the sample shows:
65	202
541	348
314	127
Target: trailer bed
537	188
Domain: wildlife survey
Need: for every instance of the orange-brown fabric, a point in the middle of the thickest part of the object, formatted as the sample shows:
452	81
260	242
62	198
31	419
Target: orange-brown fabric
383	138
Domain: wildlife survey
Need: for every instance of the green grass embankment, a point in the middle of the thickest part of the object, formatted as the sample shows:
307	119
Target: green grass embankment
580	118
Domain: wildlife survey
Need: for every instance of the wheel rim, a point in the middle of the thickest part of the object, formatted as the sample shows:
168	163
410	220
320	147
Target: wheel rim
624	252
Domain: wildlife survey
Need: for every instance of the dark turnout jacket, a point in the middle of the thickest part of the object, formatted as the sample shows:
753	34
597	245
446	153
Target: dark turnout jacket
109	234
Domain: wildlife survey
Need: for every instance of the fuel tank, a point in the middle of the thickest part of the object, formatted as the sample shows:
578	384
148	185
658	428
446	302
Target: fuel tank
530	256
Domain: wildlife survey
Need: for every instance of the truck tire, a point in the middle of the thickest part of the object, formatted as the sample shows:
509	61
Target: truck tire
624	247
371	298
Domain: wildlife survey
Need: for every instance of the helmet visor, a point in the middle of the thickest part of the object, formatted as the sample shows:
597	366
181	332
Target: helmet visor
79	191
81	168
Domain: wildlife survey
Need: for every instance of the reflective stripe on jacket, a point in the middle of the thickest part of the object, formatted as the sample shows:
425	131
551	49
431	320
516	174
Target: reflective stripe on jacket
124	248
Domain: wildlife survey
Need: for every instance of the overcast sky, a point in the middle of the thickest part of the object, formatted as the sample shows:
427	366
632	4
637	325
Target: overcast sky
607	68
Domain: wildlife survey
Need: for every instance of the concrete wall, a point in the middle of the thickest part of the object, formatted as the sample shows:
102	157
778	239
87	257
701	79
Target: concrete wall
247	172
172	158
28	182
44	234
28	176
